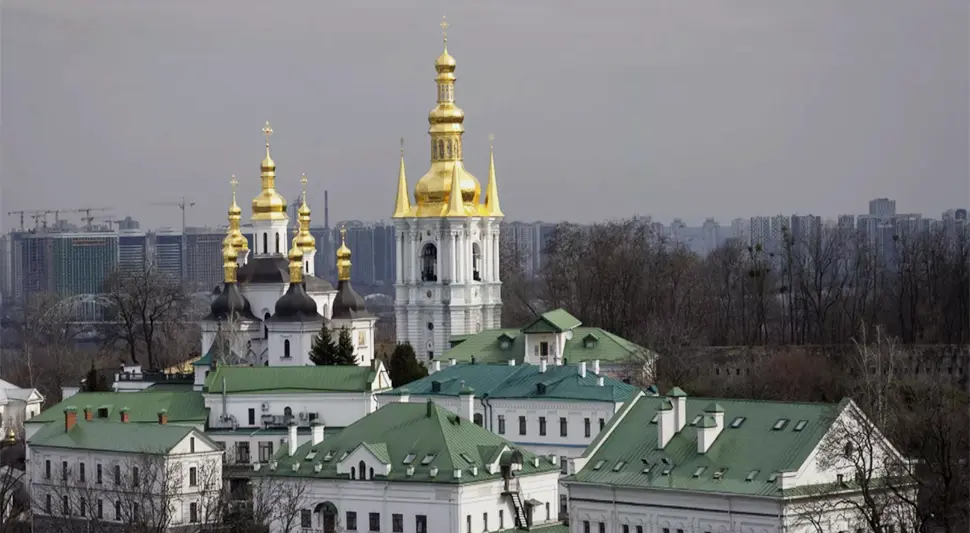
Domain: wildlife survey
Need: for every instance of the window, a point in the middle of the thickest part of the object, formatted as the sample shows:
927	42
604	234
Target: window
542	426
252	417
547	512
599	464
265	242
696	420
700	470
286	349
602	423
751	475
375	521
479	419
501	519
306	518
602	527
352	520
191	444
800	425
80	472
485	520
277	243
585	526
586	428
193	512
134	511
780	424
118	510
409	459
736	423
193	477
265	451
117	474
563	464
639	529
544	349
370	473
429	263
563	505
619	466
626	528
47	506
501	424
468	520
100	514
430	355
65	509
63	470
563	426
242	452
97	474
521	425
47	469
420	524
266	316
397	523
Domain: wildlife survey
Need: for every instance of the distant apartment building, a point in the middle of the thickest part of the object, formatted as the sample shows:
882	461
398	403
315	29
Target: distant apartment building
133	250
711	236
531	239
760	228
882	207
203	257
168	252
62	263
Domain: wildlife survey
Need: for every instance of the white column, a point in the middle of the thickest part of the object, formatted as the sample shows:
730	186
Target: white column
412	263
495	256
462	260
399	254
453	239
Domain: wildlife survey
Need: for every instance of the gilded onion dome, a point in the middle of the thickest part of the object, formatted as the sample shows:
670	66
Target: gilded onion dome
304	239
268	204
433	190
235	236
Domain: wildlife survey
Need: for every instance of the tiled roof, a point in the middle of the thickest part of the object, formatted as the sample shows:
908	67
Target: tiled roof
182	406
741	460
520	381
284	379
109	436
486	347
428	435
556	321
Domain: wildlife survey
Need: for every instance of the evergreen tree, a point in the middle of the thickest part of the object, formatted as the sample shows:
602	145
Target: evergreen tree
323	351
345	349
404	366
95	382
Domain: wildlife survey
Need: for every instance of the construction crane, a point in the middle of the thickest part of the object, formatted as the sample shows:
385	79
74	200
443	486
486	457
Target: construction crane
182	204
87	218
37	214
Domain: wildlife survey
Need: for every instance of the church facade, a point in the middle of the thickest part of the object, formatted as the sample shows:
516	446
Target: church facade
447	238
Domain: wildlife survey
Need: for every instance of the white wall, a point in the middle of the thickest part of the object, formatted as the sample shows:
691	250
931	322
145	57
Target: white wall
334	409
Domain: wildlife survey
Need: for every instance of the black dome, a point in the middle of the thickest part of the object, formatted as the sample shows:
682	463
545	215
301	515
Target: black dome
347	303
230	303
296	305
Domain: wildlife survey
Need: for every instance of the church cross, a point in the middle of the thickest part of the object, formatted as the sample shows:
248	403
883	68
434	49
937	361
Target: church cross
444	28
267	131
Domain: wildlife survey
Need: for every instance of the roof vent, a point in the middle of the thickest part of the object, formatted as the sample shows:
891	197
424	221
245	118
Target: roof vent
256	467
296	466
433	471
272	465
317	467
409	471
457	473
474	470
541	388
535	461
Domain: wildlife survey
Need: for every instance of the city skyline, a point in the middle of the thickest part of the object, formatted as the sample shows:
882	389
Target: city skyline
690	150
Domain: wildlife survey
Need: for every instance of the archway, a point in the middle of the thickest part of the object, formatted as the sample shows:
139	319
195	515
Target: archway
429	262
476	262
325	517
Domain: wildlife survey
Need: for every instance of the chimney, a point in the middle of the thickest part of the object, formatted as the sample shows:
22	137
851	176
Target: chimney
452	361
163	417
70	418
316	432
596	367
124	415
466	403
582	369
435	367
511	362
291	441
665	423
430	410
600	381
679	398
542	366
709	427
88	413
404	396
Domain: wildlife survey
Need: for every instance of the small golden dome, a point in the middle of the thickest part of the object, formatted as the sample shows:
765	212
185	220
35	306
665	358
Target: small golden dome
268	204
446	113
306	241
229	253
296	254
239	241
445	63
343	257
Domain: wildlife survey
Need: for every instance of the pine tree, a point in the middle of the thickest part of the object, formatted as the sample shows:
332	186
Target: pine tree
345	349
404	366
323	351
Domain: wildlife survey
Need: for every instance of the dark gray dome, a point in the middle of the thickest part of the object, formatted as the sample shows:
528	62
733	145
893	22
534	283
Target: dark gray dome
296	306
230	303
347	303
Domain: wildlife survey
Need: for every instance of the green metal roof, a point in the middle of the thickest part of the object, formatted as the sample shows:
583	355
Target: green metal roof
549	528
740	460
487	347
520	381
182	406
555	321
284	379
110	436
425	433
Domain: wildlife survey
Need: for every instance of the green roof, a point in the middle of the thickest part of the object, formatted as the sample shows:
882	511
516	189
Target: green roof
182	406
519	381
284	379
740	460
487	347
556	321
541	528
110	436
426	434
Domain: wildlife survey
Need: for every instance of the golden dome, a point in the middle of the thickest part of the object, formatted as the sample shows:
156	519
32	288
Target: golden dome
433	190
268	204
303	238
343	257
229	265
444	63
296	264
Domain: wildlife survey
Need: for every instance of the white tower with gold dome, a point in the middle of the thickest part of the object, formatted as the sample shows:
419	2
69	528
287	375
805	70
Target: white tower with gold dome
448	241
269	210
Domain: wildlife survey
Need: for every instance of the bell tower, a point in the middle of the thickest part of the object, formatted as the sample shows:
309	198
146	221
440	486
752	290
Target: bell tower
447	279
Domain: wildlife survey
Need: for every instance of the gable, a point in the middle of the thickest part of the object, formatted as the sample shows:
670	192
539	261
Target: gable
556	321
371	455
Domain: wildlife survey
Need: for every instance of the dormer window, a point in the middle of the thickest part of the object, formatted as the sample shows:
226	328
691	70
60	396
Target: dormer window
505	341
409	458
427	459
589	341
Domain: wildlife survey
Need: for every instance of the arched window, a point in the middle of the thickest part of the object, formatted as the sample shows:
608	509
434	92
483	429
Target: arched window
265	326
288	412
361	466
371	474
265	241
478	419
277	243
476	262
286	349
353	473
306	267
441	150
448	149
429	263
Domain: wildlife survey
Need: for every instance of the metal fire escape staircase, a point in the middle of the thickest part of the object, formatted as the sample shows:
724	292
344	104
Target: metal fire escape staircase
521	520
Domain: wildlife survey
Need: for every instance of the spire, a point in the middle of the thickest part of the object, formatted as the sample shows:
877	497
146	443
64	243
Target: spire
402	207
268	204
296	264
304	238
343	257
229	265
234	236
491	208
456	208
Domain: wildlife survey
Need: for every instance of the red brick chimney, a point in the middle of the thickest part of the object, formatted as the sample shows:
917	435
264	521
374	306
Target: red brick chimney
124	415
88	413
70	418
163	417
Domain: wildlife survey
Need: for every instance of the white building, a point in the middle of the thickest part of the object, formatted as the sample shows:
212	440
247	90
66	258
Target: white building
16	406
112	474
250	408
417	468
447	241
678	464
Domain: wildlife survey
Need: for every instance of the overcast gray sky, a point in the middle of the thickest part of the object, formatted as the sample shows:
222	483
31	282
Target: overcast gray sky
679	108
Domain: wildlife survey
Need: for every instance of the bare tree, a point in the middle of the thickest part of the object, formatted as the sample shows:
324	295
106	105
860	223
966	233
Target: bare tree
278	502
14	504
518	290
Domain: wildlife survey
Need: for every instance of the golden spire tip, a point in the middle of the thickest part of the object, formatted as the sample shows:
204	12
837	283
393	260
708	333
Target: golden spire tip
233	181
402	146
491	141
267	131
444	30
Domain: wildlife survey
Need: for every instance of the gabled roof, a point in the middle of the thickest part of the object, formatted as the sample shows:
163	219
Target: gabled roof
109	436
486	347
520	381
556	321
428	435
182	406
745	456
284	379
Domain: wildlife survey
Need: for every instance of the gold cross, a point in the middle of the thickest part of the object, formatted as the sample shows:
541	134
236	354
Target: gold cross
402	145
491	141
233	182
303	181
267	131
444	28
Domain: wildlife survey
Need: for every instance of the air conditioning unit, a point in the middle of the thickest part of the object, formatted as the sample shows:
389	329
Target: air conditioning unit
264	407
303	415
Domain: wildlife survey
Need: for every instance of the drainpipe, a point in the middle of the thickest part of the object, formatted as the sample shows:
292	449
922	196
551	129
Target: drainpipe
488	409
